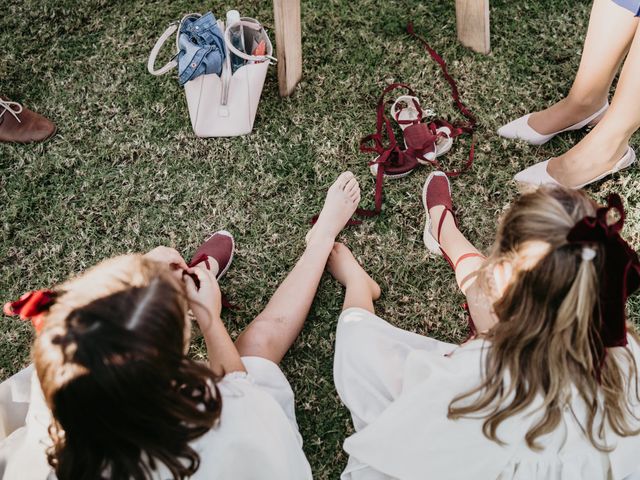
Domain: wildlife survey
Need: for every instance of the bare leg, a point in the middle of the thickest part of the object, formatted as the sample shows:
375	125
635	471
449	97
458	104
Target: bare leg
605	145
467	261
272	332
454	243
611	30
361	289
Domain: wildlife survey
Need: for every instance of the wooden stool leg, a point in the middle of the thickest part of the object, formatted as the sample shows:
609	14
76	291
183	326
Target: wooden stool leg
472	18
288	44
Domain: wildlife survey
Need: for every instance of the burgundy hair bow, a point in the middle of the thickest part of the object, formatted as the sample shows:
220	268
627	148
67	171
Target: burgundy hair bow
621	275
32	306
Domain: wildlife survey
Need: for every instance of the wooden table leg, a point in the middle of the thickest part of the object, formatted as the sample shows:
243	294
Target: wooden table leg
288	44
472	18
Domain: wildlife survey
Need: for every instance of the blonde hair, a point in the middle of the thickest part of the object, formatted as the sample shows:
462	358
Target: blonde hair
547	339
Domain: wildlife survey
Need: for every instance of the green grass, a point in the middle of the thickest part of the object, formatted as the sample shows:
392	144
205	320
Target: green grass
125	173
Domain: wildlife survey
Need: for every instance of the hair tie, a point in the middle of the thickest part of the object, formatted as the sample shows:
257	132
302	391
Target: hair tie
621	270
588	254
32	306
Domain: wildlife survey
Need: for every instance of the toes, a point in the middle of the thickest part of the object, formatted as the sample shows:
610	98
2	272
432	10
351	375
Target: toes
344	178
351	185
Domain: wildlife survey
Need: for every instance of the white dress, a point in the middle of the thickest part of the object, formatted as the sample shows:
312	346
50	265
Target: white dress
257	437
398	386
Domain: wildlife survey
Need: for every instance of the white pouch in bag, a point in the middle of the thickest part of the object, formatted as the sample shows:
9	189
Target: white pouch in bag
224	105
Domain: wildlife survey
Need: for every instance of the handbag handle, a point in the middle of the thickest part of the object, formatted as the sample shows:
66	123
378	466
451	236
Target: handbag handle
171	29
226	74
255	25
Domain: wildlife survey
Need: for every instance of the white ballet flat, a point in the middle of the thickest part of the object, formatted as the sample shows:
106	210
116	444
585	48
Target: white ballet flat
538	175
520	129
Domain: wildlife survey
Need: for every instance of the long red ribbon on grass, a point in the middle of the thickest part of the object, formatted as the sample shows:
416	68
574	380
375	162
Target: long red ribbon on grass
391	156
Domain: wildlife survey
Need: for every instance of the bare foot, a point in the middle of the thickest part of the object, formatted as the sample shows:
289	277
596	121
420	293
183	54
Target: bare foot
346	269
562	115
342	200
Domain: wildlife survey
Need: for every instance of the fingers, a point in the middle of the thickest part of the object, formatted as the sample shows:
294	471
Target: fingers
167	255
190	284
172	257
177	272
176	260
216	288
203	274
206	277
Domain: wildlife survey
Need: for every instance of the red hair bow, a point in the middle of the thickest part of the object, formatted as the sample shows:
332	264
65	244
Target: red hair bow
621	275
31	306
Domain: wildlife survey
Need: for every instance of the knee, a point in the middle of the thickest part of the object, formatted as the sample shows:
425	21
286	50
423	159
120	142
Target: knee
260	339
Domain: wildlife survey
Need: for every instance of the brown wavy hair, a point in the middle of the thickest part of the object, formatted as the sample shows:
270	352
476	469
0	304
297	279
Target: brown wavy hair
112	363
547	338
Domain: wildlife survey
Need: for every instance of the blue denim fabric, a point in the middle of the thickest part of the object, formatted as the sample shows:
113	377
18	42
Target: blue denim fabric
201	48
632	5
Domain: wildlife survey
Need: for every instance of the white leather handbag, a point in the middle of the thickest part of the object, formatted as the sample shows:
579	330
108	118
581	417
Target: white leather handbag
223	105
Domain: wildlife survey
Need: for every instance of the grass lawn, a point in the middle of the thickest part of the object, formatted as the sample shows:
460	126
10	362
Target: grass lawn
125	172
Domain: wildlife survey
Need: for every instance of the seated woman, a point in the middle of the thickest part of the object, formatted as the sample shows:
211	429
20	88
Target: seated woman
548	388
117	396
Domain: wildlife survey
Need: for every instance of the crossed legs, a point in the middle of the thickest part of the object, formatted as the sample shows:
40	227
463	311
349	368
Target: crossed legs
273	331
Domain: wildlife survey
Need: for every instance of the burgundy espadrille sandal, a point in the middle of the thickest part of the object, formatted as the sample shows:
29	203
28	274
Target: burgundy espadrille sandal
437	192
220	247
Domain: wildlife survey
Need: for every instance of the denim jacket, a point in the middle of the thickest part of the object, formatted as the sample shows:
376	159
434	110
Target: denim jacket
201	48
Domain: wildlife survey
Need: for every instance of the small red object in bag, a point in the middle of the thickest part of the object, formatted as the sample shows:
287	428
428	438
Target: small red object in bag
261	49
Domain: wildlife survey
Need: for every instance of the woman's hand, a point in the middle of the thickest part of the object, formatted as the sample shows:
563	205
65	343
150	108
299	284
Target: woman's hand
206	304
170	256
206	301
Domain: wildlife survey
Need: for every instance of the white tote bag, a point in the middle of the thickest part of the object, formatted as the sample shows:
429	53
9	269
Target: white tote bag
223	105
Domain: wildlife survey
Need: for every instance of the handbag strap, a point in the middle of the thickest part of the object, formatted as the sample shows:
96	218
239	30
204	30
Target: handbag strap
171	29
254	25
